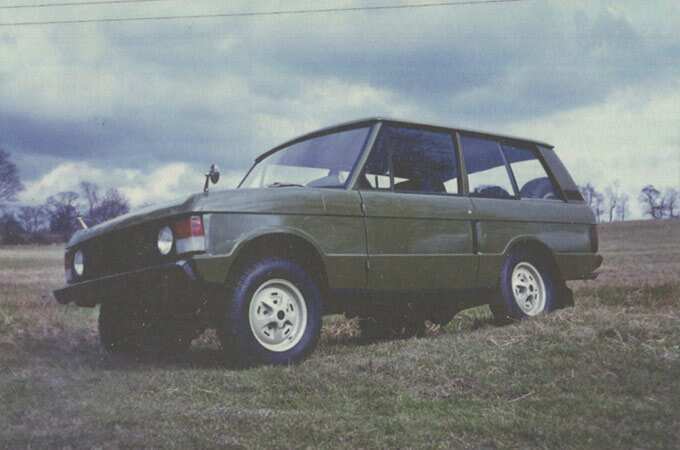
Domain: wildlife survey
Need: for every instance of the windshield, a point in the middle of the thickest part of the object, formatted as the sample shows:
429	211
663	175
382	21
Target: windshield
322	161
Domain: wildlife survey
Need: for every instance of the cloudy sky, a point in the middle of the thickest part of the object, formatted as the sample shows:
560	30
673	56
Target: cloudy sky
146	106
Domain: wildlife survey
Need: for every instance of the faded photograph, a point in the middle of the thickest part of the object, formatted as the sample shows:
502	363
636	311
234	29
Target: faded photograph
340	224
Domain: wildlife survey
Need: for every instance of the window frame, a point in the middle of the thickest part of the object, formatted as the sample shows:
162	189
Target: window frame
372	127
511	176
463	178
533	148
452	134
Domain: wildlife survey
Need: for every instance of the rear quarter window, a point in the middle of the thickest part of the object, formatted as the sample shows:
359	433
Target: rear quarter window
531	176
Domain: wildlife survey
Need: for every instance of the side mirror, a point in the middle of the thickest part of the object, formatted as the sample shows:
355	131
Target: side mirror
213	176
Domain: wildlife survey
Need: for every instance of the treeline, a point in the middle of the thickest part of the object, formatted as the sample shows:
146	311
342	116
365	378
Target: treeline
614	204
56	219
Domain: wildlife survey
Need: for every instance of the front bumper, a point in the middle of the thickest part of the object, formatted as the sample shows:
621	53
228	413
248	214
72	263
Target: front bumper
164	283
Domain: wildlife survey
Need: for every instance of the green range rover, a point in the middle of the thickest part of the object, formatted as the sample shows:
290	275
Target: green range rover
393	222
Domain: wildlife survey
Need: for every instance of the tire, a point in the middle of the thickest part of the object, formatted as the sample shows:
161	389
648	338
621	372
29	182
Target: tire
401	323
273	315
121	328
125	328
528	287
167	337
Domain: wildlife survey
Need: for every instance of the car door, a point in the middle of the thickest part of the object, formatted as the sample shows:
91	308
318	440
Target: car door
418	226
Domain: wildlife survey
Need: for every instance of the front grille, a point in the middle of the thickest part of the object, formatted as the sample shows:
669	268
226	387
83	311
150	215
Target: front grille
122	251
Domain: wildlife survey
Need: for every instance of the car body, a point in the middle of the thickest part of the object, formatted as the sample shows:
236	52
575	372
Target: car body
391	221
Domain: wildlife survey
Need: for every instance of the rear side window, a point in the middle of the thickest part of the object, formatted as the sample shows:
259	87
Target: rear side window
531	177
487	172
415	160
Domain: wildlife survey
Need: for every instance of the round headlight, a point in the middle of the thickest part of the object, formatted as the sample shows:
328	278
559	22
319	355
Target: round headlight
79	263
165	240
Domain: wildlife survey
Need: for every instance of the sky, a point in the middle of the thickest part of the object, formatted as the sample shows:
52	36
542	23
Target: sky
147	106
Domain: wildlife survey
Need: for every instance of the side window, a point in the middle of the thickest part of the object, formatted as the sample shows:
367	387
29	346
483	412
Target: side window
487	173
532	179
412	160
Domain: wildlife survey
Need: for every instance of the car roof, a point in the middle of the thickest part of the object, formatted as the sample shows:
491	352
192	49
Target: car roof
373	120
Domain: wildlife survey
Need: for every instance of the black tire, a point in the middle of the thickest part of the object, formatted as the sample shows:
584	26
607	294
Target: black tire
401	323
505	307
121	328
237	337
125	328
167	337
566	297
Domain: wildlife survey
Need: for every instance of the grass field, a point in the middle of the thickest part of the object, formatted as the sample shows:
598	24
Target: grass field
605	374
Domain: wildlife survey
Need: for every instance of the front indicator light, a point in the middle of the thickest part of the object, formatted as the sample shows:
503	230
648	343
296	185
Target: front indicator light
165	240
190	235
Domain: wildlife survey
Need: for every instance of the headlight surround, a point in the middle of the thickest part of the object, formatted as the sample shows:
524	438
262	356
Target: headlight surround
79	263
166	239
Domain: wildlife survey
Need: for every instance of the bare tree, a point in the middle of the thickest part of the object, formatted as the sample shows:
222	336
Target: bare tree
594	199
612	197
113	204
11	231
588	193
622	206
32	218
10	184
652	202
598	206
671	199
90	192
63	212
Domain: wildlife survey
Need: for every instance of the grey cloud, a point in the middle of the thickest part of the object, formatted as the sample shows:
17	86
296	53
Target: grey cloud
68	138
572	62
477	65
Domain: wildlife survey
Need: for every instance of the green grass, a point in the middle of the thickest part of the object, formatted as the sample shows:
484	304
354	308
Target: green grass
605	374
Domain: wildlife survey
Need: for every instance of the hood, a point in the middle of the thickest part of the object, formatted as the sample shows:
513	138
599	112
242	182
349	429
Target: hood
285	200
136	217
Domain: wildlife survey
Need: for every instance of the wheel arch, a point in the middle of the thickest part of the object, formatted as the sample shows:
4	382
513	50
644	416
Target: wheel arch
287	243
536	247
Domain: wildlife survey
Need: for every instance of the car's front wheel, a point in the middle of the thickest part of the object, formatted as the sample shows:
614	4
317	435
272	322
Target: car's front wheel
273	315
129	328
121	328
528	287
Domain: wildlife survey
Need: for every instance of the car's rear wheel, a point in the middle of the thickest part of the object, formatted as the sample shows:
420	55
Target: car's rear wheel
528	287
273	315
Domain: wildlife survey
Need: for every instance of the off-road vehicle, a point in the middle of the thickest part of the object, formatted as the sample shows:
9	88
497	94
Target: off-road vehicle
393	222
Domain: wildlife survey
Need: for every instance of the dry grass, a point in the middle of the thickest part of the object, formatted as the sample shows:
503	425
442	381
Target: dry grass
605	374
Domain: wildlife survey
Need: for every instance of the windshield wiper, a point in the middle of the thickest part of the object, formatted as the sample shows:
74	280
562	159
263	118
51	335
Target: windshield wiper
278	184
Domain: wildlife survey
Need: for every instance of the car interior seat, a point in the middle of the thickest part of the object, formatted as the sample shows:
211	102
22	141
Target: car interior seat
538	188
491	191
